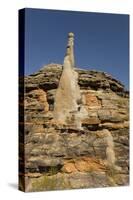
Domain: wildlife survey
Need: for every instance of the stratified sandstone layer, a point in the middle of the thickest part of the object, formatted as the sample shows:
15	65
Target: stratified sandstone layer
60	156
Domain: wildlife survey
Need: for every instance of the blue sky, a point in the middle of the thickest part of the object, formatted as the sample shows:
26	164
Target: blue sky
101	40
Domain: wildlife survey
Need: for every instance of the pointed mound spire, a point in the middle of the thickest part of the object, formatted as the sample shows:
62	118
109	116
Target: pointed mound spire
70	48
67	108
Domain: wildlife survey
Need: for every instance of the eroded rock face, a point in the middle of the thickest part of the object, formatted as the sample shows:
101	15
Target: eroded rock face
78	158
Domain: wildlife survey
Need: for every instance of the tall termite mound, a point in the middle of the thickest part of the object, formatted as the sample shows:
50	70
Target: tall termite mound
67	106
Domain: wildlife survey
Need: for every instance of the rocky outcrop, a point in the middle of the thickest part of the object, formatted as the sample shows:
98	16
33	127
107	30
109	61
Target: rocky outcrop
76	158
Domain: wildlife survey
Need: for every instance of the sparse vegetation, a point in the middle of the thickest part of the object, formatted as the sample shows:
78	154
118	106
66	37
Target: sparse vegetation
44	183
52	182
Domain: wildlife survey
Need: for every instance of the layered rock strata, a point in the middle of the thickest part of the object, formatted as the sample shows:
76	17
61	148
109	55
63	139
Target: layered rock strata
74	128
76	158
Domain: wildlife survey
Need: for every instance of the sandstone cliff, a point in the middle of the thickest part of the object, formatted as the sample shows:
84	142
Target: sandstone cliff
61	156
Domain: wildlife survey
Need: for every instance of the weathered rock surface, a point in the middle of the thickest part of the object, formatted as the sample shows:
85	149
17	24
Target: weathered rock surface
77	158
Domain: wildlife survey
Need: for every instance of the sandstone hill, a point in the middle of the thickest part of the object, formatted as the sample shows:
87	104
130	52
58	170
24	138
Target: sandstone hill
61	156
